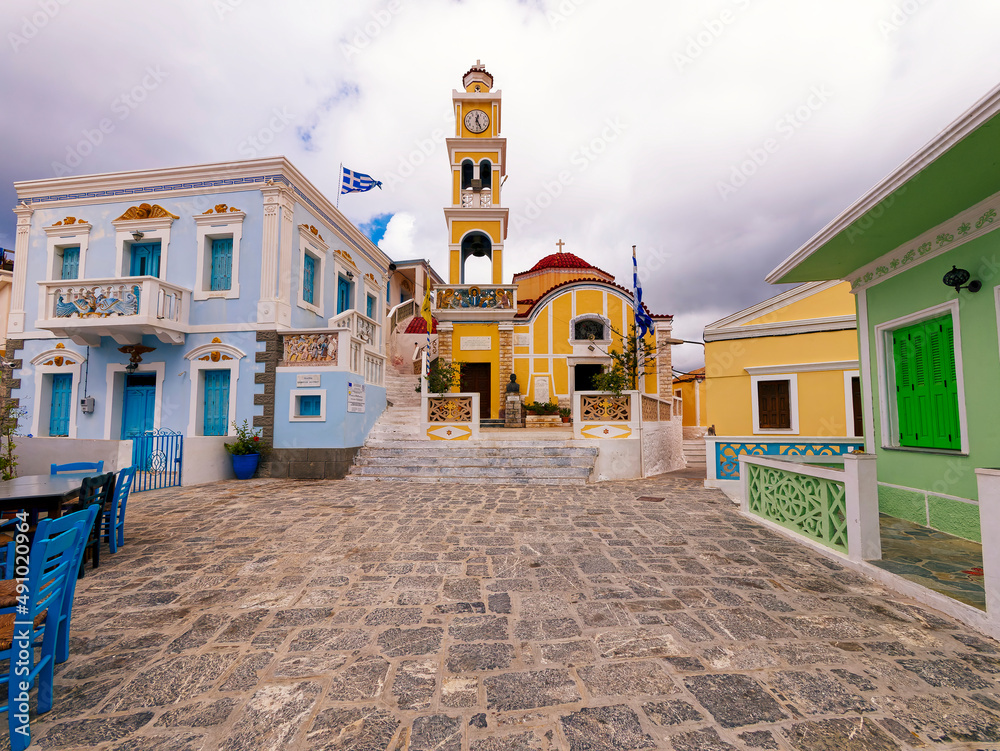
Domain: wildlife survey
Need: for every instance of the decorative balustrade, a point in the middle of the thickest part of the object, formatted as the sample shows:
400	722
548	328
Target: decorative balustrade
449	409
356	351
678	410
364	328
374	369
406	309
656	410
604	407
724	460
476	297
472	199
836	507
90	308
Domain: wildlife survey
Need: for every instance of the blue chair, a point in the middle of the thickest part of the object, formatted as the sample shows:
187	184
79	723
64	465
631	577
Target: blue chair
95	467
114	523
99	489
49	571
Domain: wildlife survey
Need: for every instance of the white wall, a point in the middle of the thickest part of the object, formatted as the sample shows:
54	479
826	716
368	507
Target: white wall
662	447
206	460
36	455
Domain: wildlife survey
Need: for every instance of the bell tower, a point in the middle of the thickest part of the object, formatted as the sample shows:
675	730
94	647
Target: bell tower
477	223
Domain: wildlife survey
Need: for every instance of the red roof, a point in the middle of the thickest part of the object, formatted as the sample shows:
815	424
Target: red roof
562	261
570	282
418	325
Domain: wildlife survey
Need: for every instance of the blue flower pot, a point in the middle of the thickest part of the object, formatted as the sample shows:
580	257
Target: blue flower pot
244	465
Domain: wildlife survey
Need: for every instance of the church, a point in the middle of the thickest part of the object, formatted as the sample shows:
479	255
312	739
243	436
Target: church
554	324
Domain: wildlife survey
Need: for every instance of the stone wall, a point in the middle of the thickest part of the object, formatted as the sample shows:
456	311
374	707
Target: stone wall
265	398
664	359
310	464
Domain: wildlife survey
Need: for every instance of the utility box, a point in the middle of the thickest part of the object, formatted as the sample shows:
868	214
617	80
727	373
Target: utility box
87	405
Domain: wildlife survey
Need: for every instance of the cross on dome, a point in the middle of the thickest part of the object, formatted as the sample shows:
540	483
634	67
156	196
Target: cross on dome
560	245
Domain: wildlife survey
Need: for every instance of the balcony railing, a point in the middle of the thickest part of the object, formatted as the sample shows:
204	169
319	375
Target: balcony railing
336	349
123	308
368	330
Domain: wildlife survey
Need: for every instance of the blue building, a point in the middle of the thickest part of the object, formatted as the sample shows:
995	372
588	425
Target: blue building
188	299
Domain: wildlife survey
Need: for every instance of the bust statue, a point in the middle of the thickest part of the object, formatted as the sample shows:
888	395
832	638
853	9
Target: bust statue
513	387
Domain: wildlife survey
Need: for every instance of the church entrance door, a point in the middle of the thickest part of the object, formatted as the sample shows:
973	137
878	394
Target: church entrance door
583	376
476	379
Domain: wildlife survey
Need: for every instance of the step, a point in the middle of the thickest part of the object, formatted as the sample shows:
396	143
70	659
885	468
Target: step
432	450
470	472
494	462
534	482
484	444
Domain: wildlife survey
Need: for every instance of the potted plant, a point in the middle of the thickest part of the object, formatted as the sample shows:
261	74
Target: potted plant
565	413
245	450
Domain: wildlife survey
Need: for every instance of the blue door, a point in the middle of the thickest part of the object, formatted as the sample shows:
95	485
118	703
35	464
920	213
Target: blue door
140	401
216	407
62	388
145	259
343	295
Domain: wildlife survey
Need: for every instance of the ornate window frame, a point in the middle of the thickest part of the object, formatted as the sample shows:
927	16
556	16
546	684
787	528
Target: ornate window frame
154	222
212	356
344	266
590	317
218	225
65	234
49	363
311	242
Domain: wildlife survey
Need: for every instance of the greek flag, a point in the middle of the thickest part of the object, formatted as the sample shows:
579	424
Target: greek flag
357	182
643	323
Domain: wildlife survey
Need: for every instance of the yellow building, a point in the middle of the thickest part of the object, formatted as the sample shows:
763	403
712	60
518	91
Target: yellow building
690	387
554	325
782	378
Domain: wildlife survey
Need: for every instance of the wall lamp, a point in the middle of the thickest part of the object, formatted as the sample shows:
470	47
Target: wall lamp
137	235
135	353
958	277
350	275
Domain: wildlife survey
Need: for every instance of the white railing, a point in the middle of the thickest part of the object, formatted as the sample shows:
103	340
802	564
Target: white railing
604	415
356	350
374	368
406	309
420	347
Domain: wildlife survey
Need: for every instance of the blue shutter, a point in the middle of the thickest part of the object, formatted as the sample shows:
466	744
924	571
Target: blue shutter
71	263
370	308
308	278
145	259
216	402
343	294
309	405
222	264
62	389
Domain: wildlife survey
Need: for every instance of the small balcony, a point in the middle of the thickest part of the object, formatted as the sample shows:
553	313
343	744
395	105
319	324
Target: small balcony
126	309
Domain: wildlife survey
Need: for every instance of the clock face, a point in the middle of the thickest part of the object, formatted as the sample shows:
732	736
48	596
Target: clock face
477	121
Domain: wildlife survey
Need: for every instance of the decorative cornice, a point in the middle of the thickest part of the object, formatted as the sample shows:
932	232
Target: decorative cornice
313	237
70	220
803	367
782	328
66	230
346	257
222	208
982	218
772	304
145	211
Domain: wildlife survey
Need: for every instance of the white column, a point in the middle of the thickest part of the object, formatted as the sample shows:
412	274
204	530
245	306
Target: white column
15	321
267	311
989	520
864	541
285	258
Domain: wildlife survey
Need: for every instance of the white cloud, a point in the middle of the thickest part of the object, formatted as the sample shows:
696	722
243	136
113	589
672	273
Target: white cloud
399	235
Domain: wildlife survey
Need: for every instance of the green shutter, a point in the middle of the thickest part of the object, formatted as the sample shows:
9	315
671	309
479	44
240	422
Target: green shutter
926	392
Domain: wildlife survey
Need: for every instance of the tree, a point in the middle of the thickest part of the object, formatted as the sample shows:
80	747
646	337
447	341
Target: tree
442	376
635	360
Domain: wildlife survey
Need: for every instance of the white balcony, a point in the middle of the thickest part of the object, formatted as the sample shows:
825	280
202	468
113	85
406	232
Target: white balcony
126	309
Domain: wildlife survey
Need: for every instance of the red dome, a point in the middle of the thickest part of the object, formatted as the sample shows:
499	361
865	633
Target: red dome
561	261
418	325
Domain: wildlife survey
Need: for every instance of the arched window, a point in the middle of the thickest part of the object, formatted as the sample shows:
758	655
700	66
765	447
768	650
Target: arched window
486	173
467	174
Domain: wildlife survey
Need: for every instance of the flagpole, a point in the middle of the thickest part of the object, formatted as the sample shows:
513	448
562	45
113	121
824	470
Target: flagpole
340	186
635	360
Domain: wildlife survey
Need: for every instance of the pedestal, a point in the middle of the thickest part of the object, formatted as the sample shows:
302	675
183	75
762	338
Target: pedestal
512	417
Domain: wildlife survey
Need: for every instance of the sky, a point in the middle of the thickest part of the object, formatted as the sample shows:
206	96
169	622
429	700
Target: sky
716	136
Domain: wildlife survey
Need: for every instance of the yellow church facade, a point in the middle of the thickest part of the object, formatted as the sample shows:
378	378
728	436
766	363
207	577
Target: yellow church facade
553	325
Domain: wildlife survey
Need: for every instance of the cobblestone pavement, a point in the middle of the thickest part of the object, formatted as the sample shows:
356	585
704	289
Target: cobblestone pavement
367	616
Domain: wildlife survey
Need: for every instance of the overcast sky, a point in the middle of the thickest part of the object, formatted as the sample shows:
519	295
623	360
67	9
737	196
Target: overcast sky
716	136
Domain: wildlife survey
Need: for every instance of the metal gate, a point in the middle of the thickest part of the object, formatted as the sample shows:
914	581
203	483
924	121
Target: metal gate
156	455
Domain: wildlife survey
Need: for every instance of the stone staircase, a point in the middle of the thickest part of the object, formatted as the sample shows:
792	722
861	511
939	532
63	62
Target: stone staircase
694	452
396	451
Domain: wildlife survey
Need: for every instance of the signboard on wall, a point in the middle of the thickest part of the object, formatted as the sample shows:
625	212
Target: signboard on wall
307	381
475	343
522	340
355	397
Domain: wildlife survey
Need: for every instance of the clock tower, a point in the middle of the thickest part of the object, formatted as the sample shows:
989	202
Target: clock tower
477	224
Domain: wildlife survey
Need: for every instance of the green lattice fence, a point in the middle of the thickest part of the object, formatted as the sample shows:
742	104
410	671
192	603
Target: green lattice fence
812	506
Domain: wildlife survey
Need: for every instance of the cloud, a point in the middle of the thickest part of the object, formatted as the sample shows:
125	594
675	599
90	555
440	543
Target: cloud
621	142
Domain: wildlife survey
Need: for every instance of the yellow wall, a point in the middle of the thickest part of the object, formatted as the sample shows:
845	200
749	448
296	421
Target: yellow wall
821	400
489	228
491	356
534	287
836	301
692	404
